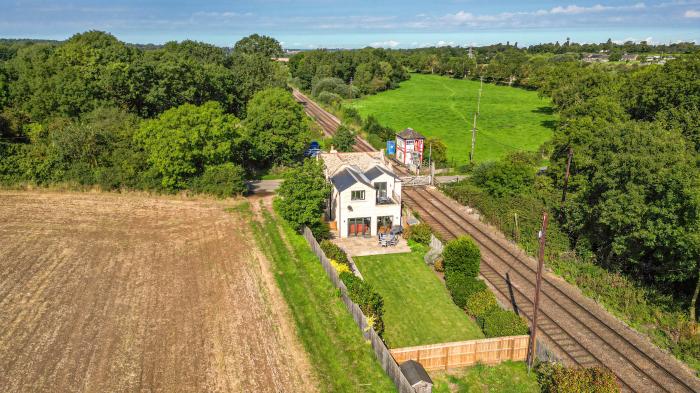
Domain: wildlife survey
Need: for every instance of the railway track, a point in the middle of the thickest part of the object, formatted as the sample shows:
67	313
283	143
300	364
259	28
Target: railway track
574	327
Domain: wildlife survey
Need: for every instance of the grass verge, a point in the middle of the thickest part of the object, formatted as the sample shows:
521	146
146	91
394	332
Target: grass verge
342	359
507	377
510	118
418	309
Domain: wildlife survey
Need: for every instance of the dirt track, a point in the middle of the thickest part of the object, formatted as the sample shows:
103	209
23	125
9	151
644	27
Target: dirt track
102	292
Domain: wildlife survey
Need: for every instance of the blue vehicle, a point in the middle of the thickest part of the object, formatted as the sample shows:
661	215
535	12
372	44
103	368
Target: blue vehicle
313	150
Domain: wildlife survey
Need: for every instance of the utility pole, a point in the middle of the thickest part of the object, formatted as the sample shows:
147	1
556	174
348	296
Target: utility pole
568	171
478	108
536	303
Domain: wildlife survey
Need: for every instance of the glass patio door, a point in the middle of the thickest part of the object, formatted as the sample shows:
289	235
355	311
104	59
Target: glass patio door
359	227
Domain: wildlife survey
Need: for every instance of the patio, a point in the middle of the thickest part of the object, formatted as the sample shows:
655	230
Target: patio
361	246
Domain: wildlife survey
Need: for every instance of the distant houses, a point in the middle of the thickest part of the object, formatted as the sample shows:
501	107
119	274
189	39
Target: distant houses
596	58
629	57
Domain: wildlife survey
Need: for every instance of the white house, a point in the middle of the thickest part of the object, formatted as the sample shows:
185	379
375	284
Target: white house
366	195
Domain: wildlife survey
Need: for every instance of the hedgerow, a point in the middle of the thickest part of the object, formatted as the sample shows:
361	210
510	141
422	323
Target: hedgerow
555	378
461	286
481	303
334	252
370	302
501	323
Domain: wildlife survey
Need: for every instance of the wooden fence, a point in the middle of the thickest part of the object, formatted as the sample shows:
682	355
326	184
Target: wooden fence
465	353
380	350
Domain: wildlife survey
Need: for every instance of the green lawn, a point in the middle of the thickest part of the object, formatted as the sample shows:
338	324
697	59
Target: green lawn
418	309
510	119
507	377
342	359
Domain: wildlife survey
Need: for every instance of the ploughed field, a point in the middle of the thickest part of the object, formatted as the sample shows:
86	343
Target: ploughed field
510	118
120	293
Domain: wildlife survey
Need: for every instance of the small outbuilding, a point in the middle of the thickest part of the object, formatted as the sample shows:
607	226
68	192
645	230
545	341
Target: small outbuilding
409	147
417	376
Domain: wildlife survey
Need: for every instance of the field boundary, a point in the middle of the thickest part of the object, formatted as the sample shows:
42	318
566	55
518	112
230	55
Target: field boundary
465	353
380	350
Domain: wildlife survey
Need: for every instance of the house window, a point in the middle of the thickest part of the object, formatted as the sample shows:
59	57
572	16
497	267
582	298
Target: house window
381	189
357	195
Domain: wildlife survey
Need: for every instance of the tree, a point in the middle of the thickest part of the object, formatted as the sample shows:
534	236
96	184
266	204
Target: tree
436	149
276	128
344	138
259	45
253	73
182	141
302	195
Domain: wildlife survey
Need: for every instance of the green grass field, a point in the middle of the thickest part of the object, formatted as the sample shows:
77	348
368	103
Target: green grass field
418	309
342	359
507	377
510	118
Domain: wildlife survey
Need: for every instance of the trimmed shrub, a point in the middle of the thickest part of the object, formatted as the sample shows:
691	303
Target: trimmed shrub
462	255
555	378
334	252
370	302
420	233
223	180
481	303
462	286
501	323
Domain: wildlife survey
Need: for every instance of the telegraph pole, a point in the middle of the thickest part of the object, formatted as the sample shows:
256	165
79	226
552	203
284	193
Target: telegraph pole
538	286
478	108
568	171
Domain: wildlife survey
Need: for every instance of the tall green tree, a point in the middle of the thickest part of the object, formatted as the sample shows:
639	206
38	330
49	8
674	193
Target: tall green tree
256	44
344	138
182	141
302	195
277	129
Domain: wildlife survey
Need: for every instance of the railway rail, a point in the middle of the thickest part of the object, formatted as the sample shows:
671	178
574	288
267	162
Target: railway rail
575	329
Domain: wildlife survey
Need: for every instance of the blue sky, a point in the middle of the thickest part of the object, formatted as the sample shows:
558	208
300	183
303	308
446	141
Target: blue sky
351	24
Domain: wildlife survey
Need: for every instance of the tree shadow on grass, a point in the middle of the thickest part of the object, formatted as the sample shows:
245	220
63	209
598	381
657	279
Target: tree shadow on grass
551	124
545	110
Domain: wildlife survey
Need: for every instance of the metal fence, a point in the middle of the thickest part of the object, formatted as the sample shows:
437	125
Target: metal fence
380	350
465	353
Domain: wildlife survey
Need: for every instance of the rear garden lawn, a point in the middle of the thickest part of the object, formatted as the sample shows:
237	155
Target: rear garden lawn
418	310
507	377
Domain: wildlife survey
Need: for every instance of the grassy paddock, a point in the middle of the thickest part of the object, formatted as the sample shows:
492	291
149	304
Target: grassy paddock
507	377
510	118
418	309
342	359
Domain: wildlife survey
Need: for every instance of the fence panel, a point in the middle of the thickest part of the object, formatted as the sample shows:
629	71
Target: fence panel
380	350
465	353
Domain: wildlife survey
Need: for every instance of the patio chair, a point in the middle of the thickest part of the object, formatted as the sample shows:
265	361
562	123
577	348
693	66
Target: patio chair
394	240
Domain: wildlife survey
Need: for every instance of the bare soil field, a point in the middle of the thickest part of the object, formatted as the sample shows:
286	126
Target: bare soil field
123	293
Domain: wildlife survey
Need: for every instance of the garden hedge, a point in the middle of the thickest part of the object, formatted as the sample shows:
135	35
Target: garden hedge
420	233
461	286
502	323
370	302
481	303
462	255
332	251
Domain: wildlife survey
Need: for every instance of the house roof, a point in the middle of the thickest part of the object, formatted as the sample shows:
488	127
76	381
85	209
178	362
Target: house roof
349	177
414	372
409	133
335	162
377	171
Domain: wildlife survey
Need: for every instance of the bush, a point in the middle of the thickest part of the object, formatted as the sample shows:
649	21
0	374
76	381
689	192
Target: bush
351	115
370	302
481	303
223	180
555	378
334	252
420	233
320	230
503	178
344	139
329	98
334	86
462	255
340	267
462	286
502	323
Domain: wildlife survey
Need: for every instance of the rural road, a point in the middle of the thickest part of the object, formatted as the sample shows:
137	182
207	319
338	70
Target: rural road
576	329
262	187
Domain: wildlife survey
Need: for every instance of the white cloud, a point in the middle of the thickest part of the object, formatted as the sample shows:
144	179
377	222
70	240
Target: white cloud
692	14
384	44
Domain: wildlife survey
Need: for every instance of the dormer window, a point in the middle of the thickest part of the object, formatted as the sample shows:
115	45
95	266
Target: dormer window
357	195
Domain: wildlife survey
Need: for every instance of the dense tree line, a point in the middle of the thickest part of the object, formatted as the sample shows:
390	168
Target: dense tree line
95	111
